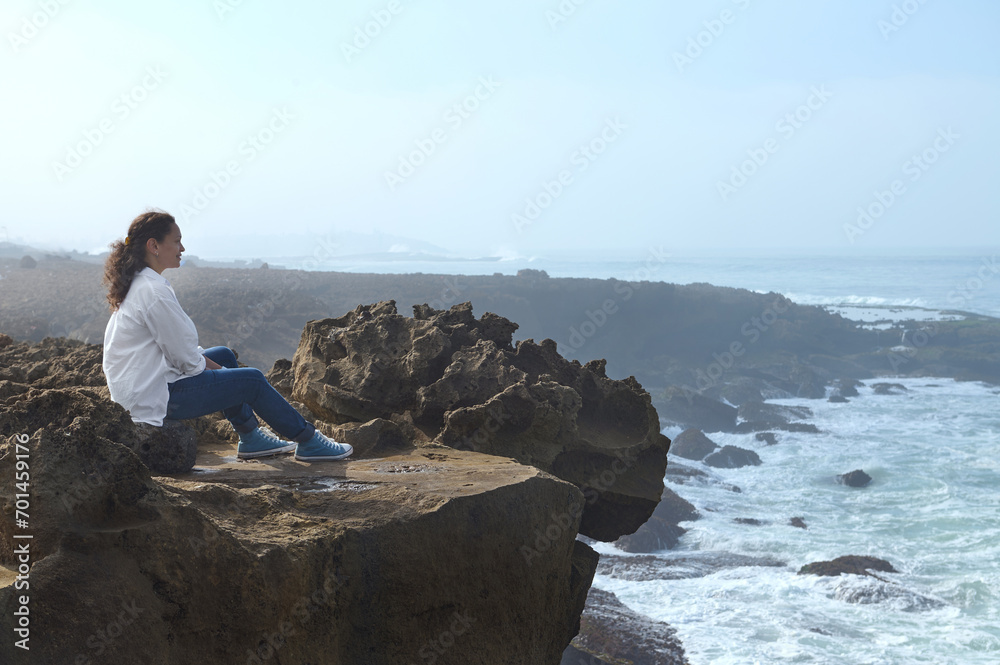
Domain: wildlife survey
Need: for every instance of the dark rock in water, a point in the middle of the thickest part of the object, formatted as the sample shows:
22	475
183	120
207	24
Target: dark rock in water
661	531
871	591
798	522
691	409
846	387
458	381
692	444
616	634
653	536
731	457
680	474
847	565
573	656
856	478
677	567
750	427
170	449
740	390
772	414
748	521
889	388
838	399
767	437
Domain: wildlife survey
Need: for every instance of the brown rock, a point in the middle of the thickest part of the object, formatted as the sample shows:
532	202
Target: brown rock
461	384
281	560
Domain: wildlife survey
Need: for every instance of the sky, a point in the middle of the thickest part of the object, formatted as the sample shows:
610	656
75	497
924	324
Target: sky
514	128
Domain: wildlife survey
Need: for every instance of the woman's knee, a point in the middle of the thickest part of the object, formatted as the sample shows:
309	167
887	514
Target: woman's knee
222	355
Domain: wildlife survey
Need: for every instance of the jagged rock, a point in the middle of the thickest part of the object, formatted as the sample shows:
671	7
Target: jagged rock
767	437
573	656
838	399
856	478
691	409
798	523
847	565
732	457
661	531
748	521
889	388
679	474
871	591
740	390
846	387
692	444
460	383
55	362
278	561
27	262
616	634
769	416
5	341
171	448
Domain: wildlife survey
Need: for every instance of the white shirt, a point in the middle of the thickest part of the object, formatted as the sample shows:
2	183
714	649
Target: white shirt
149	342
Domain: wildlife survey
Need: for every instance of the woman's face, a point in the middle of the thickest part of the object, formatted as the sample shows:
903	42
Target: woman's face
167	252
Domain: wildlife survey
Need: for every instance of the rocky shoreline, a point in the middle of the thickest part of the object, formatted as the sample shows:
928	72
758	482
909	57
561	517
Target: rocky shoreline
450	536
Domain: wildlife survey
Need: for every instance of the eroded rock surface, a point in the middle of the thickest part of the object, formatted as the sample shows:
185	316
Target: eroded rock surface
369	561
452	379
616	634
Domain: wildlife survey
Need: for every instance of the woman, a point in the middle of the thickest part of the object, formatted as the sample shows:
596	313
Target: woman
156	369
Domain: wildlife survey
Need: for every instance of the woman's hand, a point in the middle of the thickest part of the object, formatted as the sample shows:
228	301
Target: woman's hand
211	364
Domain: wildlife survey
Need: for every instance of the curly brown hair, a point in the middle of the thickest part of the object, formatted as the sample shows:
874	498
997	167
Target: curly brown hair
129	256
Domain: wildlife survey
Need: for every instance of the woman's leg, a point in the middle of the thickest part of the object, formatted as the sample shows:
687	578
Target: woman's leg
235	392
222	355
241	416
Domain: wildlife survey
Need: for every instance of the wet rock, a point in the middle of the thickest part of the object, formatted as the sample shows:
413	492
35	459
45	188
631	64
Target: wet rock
838	399
748	427
856	478
846	387
740	390
692	444
573	656
870	591
798	523
690	409
748	521
460	383
770	415
889	388
644	568
847	565
614	633
172	448
732	457
680	474
767	437
661	531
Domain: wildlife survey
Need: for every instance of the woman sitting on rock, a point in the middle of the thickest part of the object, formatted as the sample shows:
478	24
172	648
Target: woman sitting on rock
156	369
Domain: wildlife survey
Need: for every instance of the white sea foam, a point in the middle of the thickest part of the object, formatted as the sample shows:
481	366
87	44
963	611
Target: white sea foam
931	511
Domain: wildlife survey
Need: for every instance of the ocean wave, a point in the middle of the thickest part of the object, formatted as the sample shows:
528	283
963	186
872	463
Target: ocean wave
855	301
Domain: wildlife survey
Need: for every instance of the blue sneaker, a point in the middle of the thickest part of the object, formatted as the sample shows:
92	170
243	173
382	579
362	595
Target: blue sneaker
319	448
259	443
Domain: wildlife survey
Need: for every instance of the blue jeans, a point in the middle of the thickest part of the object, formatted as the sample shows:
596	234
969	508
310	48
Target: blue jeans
237	392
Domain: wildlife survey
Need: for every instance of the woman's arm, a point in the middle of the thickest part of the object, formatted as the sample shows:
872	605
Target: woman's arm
176	336
211	364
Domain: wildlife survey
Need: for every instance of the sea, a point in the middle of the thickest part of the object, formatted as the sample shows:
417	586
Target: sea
932	509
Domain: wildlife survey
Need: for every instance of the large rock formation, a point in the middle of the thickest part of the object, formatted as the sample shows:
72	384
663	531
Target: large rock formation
451	379
411	550
376	562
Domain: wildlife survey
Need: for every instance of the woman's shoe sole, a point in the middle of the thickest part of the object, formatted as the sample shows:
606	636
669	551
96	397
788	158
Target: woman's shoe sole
267	453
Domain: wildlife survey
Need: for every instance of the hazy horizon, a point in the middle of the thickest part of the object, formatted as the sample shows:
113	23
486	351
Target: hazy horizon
849	128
